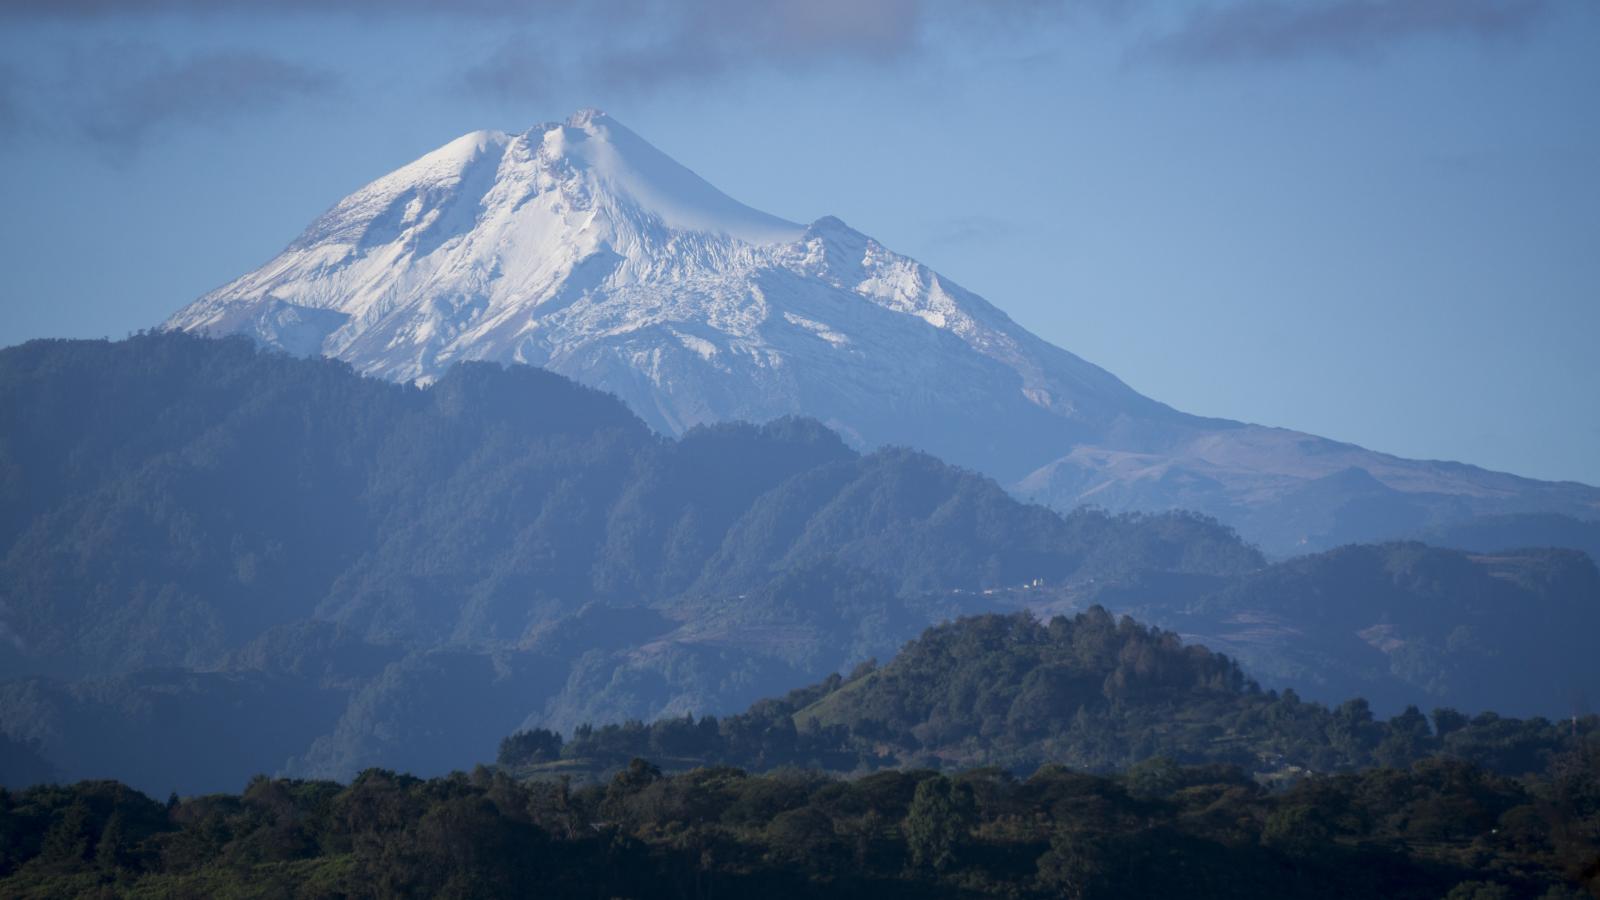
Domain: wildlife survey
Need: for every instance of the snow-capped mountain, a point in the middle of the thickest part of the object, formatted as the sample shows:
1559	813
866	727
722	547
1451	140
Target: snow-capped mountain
579	247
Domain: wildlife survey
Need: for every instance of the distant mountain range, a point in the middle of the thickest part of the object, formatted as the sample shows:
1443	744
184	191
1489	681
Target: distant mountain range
297	568
216	560
579	247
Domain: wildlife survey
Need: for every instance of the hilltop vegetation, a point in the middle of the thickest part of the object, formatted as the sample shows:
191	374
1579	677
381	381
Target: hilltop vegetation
1088	692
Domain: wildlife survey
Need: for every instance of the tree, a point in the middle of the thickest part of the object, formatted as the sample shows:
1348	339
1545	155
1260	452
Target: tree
1298	830
524	747
1446	720
1408	740
1157	776
1073	862
938	822
806	836
1352	731
112	851
70	839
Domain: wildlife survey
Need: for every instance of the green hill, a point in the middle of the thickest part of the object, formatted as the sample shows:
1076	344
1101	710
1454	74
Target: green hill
1087	691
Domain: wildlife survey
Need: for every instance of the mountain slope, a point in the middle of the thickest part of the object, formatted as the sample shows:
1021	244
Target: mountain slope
200	539
578	247
1401	623
337	565
167	499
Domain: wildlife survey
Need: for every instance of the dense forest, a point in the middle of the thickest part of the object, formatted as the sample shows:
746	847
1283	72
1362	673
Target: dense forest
1182	777
1440	828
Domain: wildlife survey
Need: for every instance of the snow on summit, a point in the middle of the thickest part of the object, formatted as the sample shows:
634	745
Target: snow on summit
579	247
626	166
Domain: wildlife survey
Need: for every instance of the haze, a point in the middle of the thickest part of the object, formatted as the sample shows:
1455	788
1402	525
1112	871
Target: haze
1370	220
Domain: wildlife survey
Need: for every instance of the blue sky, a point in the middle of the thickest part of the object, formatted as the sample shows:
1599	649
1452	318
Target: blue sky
1376	220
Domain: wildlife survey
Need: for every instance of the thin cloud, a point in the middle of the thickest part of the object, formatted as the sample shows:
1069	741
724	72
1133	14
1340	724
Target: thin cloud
823	15
118	96
536	49
207	89
1275	30
10	102
969	230
121	100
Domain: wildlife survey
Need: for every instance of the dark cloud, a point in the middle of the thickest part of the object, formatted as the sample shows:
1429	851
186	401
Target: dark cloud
207	89
824	15
646	44
629	44
540	48
85	9
118	95
608	46
1269	30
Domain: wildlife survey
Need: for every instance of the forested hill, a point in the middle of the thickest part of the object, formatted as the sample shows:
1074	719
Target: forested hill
1404	622
166	499
1463	809
1087	691
216	561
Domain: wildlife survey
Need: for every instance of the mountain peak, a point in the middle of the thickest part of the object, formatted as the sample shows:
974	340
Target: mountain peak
829	225
626	166
586	116
578	246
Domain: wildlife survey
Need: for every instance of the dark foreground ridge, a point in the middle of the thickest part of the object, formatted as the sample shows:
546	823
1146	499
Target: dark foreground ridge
1442	828
1462	808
